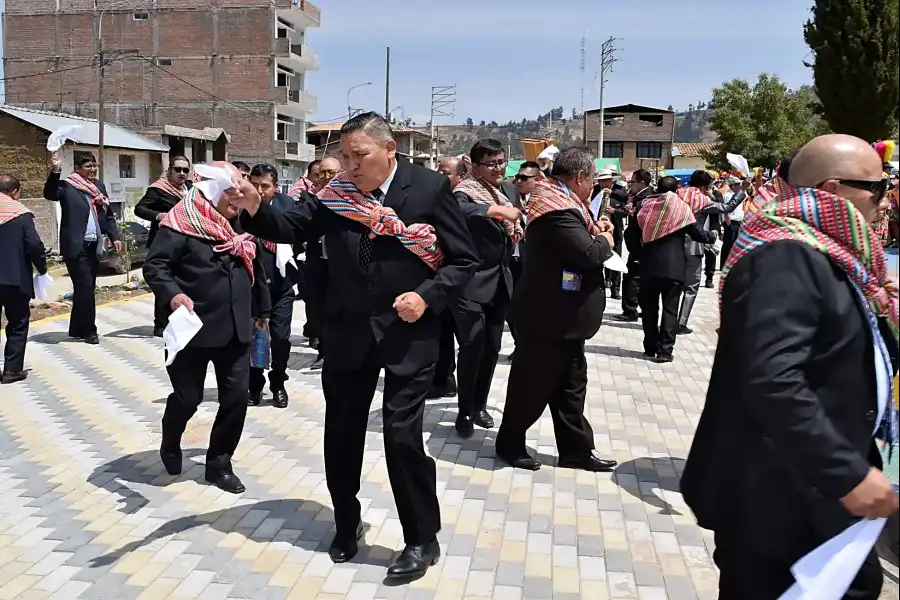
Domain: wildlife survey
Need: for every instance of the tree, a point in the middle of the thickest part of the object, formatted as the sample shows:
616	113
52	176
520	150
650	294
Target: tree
671	108
470	124
764	122
856	66
494	124
482	123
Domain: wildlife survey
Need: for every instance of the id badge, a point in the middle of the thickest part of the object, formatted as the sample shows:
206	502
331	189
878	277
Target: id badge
571	281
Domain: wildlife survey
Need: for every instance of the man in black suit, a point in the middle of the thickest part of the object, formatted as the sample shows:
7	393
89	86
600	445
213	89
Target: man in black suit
21	249
87	220
265	179
529	174
558	304
480	312
384	300
784	457
160	198
198	261
631	282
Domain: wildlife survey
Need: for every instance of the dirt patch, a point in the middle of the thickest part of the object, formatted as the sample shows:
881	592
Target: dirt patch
104	296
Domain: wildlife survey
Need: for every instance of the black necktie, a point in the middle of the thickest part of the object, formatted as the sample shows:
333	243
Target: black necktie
366	243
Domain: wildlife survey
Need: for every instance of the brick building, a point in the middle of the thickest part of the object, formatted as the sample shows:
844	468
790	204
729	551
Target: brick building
639	136
236	65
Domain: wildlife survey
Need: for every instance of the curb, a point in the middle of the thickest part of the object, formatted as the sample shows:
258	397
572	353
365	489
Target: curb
58	317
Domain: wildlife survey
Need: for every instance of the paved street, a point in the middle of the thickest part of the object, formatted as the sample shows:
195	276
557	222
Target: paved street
86	510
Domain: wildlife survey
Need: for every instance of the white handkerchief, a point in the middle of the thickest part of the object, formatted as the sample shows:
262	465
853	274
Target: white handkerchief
216	181
42	287
616	263
827	572
284	256
57	139
183	326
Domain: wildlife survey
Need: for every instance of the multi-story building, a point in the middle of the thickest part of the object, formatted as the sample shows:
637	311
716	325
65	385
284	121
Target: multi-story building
641	137
235	65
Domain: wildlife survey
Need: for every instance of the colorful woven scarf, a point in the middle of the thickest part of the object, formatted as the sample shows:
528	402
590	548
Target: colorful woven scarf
663	215
479	190
696	198
345	199
551	195
10	209
98	200
196	217
304	184
764	194
164	185
831	225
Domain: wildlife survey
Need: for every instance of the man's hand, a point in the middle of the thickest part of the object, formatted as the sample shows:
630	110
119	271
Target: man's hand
608	237
118	246
244	195
182	300
55	162
260	322
410	306
874	497
508	213
606	226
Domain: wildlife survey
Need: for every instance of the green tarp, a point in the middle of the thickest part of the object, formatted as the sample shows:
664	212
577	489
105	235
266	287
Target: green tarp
512	167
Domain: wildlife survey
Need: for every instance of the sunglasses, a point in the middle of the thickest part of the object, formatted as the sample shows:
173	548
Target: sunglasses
524	178
328	174
877	187
493	164
182	170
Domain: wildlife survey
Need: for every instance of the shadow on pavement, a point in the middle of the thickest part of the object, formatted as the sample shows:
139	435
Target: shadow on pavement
52	338
645	477
138	331
614	351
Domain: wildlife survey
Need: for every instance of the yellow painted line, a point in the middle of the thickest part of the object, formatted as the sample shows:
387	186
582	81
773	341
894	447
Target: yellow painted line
53	318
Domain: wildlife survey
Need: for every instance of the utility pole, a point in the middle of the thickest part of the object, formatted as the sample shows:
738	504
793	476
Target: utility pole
387	87
443	98
101	104
607	60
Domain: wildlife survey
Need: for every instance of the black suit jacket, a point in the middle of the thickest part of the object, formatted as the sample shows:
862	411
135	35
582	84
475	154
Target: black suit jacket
493	245
154	203
633	236
787	427
76	207
217	283
20	249
560	241
359	304
278	285
665	258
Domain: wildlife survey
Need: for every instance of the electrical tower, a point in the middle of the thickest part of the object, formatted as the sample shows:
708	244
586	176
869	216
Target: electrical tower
607	60
443	102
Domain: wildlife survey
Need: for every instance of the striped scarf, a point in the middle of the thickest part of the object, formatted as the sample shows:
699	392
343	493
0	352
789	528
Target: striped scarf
164	185
482	192
98	200
696	198
10	209
551	195
304	184
196	217
345	199
663	215
764	194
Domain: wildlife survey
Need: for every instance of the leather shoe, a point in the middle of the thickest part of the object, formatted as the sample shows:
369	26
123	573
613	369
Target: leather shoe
254	398
627	318
171	459
684	330
280	399
317	364
158	331
220	474
464	426
414	560
615	295
520	460
13	376
92	339
587	461
343	549
664	358
447	390
483	419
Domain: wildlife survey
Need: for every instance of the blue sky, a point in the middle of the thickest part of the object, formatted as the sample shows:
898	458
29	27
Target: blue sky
518	58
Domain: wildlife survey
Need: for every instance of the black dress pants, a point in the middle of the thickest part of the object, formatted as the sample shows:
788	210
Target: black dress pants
659	335
631	288
547	373
14	304
446	364
515	268
614	278
348	398
480	332
316	273
280	334
729	236
83	272
187	374
710	260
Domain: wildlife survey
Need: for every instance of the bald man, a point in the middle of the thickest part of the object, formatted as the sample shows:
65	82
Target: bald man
454	168
784	457
226	288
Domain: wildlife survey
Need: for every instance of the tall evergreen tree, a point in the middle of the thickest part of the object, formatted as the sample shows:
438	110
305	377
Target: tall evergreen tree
856	44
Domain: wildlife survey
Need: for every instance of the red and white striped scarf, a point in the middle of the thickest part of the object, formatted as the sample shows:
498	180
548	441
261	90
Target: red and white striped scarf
10	209
696	198
98	200
663	215
196	217
304	184
551	195
479	190
163	184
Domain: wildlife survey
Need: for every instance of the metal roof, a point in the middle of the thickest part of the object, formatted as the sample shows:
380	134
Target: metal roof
89	135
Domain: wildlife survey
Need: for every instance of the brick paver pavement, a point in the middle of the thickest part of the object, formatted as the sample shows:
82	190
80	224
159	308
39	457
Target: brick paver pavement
87	511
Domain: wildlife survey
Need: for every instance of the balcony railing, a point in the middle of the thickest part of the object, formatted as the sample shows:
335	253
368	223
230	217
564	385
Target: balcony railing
292	148
309	9
293	96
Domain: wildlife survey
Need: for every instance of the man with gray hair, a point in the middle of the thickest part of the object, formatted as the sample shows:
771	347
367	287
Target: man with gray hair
557	305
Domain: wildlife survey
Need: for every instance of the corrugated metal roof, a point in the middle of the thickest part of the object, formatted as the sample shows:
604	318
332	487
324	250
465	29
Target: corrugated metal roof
89	135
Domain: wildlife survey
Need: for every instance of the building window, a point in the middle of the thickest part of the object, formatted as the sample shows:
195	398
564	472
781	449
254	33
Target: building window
126	166
613	150
649	150
164	62
656	120
283	80
141	16
613	120
198	151
281	132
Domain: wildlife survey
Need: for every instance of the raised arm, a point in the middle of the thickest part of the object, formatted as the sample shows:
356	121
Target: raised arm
301	223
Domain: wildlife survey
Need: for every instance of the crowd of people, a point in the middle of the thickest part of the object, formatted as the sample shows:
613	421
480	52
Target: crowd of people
403	264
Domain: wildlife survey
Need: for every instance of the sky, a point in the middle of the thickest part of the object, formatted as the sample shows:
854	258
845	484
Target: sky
515	59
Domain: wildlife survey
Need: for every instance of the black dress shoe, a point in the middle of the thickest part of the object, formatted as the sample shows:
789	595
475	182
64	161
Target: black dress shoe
709	284
664	358
226	481
627	318
317	364
649	355
446	390
314	343
92	339
171	459
254	398
483	419
587	462
13	376
464	426
344	548
158	331
415	560
519	460
615	295
684	330
280	399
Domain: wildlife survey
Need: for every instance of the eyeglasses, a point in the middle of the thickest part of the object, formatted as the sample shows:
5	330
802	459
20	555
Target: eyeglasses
877	187
182	170
524	178
493	164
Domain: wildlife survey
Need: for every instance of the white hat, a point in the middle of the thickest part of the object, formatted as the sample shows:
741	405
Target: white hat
733	180
605	174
